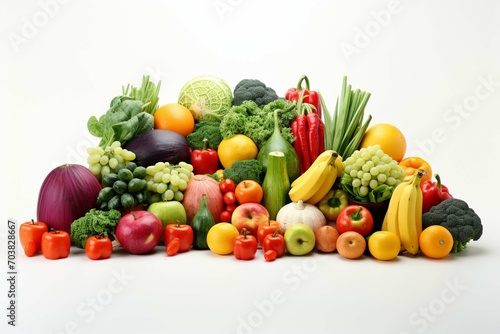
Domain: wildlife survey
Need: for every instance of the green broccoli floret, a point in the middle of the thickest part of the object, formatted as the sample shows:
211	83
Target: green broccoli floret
254	90
95	222
251	169
207	129
455	214
258	123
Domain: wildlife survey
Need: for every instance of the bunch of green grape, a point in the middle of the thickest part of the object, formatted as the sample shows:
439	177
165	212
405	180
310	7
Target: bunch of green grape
103	161
370	175
167	182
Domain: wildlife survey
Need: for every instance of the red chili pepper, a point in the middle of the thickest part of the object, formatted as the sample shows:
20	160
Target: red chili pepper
245	246
206	160
310	97
314	140
433	193
297	144
275	242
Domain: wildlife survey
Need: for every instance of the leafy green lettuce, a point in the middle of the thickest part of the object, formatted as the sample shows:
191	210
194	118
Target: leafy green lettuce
124	120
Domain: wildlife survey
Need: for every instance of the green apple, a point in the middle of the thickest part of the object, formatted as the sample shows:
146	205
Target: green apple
169	212
299	239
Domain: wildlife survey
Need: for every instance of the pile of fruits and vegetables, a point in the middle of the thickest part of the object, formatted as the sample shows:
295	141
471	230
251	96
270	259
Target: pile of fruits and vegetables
247	172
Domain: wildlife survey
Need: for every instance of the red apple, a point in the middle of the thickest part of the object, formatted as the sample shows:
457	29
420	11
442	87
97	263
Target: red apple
249	216
326	238
139	232
351	245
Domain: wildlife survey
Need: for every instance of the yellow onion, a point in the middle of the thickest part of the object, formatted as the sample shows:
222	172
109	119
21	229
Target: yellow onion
67	193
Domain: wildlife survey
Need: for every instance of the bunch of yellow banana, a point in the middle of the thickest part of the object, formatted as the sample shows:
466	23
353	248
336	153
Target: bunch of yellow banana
318	179
404	214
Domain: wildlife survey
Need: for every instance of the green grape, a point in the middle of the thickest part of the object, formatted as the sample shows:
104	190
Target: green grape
373	184
118	150
151	170
356	183
182	185
128	155
185	165
161	188
93	159
168	195
175	180
115	144
113	163
178	196
105	170
166	178
158	177
95	169
374	171
104	160
184	177
92	151
159	166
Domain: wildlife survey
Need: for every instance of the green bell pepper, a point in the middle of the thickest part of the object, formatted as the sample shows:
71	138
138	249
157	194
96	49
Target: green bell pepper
333	203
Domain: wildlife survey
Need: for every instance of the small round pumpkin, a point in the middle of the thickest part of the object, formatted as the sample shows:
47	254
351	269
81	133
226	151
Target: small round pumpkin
300	212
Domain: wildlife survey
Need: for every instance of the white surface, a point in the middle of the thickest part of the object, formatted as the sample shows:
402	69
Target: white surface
63	61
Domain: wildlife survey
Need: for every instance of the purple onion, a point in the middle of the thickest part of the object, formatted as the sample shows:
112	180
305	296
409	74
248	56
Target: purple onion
66	194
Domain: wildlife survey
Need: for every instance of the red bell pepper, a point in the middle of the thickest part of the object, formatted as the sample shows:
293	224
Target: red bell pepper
310	97
433	193
206	160
98	247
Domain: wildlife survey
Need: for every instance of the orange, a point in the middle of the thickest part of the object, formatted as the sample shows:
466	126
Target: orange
384	245
436	241
174	117
238	147
389	137
220	238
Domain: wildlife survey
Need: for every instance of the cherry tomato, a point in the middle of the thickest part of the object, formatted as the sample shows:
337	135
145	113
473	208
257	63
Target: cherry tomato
227	185
229	198
249	191
225	216
173	246
270	255
245	246
231	207
97	248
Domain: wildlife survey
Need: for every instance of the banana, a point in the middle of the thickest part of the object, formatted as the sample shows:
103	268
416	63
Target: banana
324	156
314	180
390	222
410	215
327	182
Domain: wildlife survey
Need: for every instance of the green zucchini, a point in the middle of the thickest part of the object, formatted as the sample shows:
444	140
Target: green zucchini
276	184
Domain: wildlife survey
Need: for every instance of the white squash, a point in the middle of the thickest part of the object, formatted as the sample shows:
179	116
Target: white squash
300	212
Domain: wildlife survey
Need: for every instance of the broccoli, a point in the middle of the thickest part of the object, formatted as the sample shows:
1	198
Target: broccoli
206	129
95	222
251	169
258	123
455	214
254	90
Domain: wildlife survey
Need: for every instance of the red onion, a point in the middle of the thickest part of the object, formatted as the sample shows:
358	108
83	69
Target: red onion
198	185
67	193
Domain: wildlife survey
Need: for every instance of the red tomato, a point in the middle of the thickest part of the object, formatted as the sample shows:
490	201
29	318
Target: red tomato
267	227
249	191
183	232
274	242
225	216
227	185
355	218
245	246
229	198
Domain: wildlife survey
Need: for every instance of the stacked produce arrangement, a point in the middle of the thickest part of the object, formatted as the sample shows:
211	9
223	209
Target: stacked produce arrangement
247	174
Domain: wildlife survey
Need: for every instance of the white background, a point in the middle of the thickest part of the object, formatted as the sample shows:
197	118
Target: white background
432	69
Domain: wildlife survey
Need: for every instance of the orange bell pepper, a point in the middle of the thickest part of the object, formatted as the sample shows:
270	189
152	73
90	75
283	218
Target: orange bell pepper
30	235
411	164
